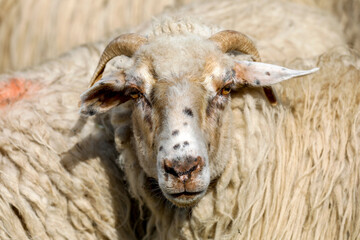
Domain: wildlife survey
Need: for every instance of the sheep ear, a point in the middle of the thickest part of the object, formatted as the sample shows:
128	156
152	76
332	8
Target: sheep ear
104	95
263	74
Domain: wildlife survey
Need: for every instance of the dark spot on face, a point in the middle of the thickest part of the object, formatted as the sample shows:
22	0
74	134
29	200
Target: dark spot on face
175	132
267	73
257	82
161	148
176	146
208	145
220	105
186	143
91	112
102	83
117	81
185	123
188	112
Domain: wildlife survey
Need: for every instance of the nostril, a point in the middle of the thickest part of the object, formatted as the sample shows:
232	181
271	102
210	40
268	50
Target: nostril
191	169
168	167
184	169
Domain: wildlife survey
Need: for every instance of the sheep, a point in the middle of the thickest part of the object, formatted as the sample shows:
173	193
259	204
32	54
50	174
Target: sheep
195	167
287	182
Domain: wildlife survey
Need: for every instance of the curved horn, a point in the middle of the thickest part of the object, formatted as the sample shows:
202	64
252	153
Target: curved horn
126	44
229	40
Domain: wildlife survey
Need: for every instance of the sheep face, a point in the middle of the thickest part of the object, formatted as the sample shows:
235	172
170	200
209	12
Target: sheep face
181	113
181	117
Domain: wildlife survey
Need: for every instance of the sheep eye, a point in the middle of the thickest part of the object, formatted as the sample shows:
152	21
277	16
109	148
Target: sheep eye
134	94
226	90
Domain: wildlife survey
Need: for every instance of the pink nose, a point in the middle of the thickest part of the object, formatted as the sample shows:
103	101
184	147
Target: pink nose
184	170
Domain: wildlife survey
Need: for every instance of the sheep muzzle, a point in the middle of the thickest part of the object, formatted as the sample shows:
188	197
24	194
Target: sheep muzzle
184	177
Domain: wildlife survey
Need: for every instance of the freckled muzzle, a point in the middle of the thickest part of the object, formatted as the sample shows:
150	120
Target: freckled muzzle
183	169
183	166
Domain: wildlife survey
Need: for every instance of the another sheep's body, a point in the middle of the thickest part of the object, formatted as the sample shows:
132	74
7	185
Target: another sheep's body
293	172
53	186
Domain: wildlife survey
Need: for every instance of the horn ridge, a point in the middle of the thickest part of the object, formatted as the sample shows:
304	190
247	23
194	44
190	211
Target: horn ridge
125	44
229	40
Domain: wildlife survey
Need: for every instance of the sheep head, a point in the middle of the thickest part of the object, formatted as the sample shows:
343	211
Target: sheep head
180	88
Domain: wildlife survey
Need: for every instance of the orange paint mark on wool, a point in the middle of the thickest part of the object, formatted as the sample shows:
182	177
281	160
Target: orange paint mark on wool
14	90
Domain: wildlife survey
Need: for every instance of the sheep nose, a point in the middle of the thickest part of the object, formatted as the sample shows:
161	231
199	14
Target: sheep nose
183	170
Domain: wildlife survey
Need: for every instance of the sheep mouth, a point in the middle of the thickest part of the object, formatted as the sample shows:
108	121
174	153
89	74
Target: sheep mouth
186	194
185	199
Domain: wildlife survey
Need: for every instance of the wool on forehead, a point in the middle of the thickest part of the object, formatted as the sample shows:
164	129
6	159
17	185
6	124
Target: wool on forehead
178	56
177	25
